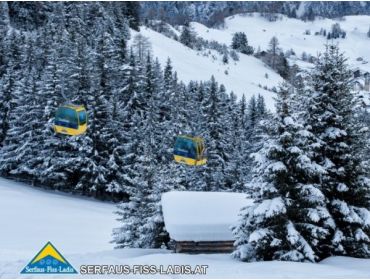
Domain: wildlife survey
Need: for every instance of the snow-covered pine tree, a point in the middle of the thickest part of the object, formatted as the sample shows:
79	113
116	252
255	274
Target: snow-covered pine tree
164	113
5	96
261	107
174	109
225	58
345	184
27	117
252	113
216	138
131	213
141	218
236	164
10	97
101	125
243	112
179	111
187	37
254	122
240	43
133	109
115	55
288	217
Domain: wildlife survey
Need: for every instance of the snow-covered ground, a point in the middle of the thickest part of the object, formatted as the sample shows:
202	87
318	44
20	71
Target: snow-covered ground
80	229
30	217
290	33
245	75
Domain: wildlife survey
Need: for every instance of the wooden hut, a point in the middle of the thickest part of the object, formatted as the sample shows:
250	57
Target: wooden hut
200	222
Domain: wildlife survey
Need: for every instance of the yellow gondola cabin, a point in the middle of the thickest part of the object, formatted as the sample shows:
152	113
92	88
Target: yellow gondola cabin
70	120
189	150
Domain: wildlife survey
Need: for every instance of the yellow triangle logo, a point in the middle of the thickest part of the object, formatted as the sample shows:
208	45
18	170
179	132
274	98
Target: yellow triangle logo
49	250
48	261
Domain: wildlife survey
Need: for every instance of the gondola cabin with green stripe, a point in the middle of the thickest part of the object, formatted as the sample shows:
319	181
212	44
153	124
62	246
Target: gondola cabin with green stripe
71	120
189	150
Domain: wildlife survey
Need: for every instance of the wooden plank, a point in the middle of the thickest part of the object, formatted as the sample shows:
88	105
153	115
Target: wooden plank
204	247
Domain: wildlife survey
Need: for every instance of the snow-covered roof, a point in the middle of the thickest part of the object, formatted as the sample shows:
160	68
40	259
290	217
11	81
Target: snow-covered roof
202	216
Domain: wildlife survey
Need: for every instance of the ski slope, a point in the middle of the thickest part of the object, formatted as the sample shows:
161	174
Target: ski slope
80	229
244	76
248	75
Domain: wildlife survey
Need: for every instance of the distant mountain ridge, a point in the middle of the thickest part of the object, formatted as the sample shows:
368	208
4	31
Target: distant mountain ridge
213	13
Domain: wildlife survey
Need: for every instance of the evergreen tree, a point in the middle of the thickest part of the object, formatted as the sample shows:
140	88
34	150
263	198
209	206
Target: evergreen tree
98	168
216	138
131	115
9	97
287	219
132	11
4	54
5	65
273	50
141	216
187	37
236	165
261	107
341	137
240	43
180	113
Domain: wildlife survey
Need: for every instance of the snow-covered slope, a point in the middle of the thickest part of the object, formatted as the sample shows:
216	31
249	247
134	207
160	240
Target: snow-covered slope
248	75
290	33
30	217
80	229
244	76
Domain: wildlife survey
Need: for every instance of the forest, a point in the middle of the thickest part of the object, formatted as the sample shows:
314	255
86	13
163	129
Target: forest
135	106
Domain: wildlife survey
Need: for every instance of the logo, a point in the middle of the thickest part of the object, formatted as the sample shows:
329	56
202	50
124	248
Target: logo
48	261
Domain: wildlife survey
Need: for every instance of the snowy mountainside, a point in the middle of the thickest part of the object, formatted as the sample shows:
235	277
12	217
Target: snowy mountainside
246	76
291	34
249	75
